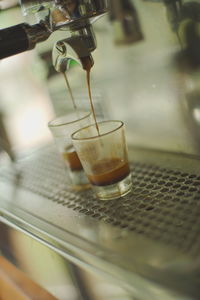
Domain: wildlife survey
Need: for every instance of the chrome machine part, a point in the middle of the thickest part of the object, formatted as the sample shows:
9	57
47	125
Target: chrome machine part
72	15
82	43
71	9
147	241
75	16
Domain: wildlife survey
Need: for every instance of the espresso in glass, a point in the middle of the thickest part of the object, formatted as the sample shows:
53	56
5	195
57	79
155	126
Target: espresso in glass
71	158
104	158
118	170
61	129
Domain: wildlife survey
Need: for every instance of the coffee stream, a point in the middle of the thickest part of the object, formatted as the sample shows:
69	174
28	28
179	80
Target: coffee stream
87	64
70	91
91	103
70	155
87	67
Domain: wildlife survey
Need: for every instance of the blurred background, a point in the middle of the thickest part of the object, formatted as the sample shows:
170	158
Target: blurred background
151	84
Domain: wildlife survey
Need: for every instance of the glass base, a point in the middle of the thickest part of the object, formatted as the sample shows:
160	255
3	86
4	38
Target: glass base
78	180
113	191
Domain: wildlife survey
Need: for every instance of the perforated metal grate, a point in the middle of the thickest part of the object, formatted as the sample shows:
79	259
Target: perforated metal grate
164	204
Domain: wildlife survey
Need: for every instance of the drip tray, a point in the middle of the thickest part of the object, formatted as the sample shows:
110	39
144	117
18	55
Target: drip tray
153	232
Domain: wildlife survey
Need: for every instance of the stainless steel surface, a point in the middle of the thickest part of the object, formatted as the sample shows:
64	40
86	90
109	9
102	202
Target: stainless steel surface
147	241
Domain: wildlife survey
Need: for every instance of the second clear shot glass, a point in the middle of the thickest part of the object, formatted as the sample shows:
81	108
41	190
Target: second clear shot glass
104	158
62	129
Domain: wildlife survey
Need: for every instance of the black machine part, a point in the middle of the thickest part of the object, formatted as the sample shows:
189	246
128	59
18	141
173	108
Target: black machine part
21	37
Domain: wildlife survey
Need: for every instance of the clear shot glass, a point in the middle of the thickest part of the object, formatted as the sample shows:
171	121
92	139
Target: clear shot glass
62	129
104	157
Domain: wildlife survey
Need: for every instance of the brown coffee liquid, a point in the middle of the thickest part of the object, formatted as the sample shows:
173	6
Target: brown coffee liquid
87	65
109	172
70	91
72	158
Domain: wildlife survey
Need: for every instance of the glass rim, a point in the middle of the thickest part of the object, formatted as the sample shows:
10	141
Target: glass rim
97	136
50	125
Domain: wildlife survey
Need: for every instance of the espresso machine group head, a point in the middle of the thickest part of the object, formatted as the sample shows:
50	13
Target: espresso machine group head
74	16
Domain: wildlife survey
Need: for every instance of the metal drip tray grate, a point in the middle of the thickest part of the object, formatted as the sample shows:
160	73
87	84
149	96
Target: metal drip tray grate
164	204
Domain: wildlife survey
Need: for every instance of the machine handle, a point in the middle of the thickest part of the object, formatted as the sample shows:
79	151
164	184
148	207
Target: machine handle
13	40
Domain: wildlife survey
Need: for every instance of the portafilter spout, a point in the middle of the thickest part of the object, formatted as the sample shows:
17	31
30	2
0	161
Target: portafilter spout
81	44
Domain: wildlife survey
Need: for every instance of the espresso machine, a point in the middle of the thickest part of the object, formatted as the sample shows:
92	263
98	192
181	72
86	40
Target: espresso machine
145	58
76	17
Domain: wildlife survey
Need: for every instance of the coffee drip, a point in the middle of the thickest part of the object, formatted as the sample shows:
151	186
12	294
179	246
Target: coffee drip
87	65
70	91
